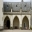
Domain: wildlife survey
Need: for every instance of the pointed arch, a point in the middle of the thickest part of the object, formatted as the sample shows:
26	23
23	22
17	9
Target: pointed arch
6	23
16	23
25	23
25	17
6	17
15	17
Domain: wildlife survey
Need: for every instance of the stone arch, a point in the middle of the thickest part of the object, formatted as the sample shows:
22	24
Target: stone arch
15	16
16	23
6	23
25	23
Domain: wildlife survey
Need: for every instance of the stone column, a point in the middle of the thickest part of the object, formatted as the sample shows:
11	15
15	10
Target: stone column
29	21
1	14
11	22
20	22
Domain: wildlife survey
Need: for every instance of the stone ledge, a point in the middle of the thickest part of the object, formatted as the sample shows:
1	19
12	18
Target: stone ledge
23	13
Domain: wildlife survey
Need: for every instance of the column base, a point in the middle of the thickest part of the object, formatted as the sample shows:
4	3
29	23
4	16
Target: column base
1	28
11	28
21	28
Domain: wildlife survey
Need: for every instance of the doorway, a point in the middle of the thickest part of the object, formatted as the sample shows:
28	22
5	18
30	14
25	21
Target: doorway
25	23
16	23
7	23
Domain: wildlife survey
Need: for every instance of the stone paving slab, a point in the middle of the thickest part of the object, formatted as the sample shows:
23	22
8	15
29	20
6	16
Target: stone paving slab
16	31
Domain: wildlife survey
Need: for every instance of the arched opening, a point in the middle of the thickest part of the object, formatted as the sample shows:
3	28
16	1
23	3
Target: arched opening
25	23
16	23
7	23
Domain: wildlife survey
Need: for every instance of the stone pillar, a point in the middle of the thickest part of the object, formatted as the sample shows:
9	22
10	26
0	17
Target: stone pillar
1	14
29	23
11	22
20	22
20	25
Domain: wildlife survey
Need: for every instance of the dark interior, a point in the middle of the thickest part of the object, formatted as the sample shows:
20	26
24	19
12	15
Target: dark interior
16	27
24	25
8	24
